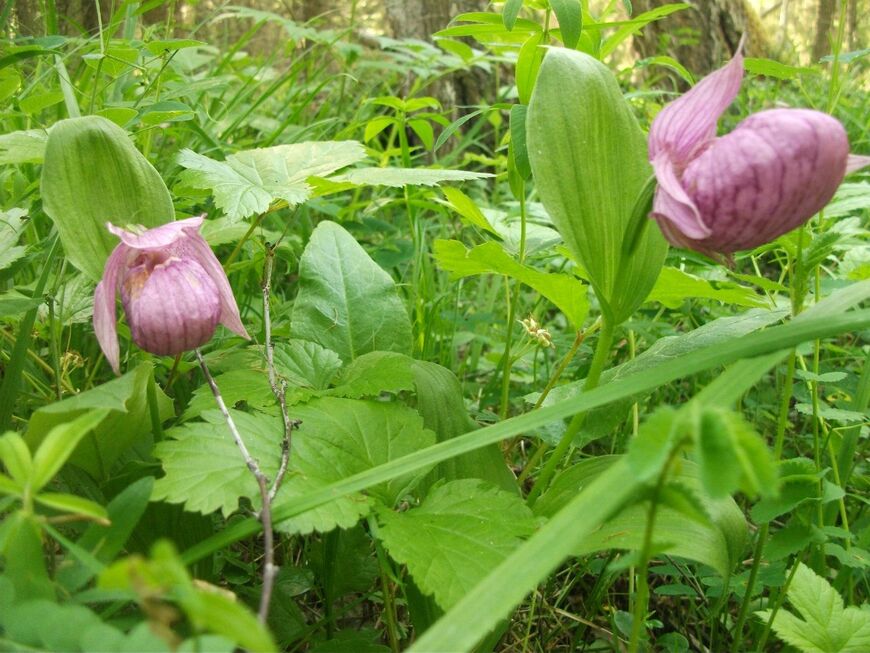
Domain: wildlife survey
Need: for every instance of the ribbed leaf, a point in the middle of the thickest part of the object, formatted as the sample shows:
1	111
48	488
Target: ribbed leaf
589	161
93	174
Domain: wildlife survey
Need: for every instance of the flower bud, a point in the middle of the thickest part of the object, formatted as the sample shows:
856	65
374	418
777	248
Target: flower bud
173	289
771	174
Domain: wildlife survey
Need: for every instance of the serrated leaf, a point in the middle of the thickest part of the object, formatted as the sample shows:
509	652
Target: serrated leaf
247	182
824	625
460	532
247	386
370	374
401	177
342	437
12	224
204	468
565	291
346	302
305	363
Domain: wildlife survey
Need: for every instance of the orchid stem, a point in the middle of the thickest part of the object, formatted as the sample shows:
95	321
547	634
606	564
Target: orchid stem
265	514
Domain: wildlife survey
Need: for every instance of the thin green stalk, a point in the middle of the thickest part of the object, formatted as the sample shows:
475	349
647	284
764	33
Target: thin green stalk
641	601
14	369
602	352
557	374
506	356
386	587
764	530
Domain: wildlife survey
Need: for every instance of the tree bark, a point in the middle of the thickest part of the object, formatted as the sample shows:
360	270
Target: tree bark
703	37
824	21
420	19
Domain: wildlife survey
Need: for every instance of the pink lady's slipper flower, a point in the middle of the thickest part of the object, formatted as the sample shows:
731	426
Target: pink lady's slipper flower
767	177
173	289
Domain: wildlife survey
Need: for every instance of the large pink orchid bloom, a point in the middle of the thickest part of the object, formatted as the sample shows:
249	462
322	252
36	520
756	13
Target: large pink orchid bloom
771	174
173	289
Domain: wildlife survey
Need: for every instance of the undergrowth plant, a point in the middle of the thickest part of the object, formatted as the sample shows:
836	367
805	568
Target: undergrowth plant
396	375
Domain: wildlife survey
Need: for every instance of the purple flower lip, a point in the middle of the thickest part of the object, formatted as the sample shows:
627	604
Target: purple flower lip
173	289
771	174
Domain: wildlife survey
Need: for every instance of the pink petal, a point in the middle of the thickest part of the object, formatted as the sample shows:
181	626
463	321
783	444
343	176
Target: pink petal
673	205
770	175
856	162
104	307
173	308
158	236
687	124
196	247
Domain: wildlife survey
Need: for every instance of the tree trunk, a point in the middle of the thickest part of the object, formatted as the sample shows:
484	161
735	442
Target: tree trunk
824	21
419	19
704	36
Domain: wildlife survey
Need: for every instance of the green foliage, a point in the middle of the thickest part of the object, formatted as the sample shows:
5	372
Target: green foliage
824	625
127	426
248	182
588	157
89	158
566	292
455	537
347	303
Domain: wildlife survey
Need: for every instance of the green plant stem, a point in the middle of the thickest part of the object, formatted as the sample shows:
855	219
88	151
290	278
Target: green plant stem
563	365
13	371
513	302
386	587
641	600
764	530
602	352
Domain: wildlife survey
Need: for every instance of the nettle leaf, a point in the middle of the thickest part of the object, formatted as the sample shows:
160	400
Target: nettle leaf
400	177
373	373
460	532
248	386
305	363
247	182
826	626
12	224
674	286
346	301
566	292
342	437
204	468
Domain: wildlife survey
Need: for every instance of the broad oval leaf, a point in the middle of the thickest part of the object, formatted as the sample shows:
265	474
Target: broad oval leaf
93	174
346	302
589	162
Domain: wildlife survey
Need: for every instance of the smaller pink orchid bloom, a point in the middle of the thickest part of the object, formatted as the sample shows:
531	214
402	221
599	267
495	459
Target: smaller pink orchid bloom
173	289
771	174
